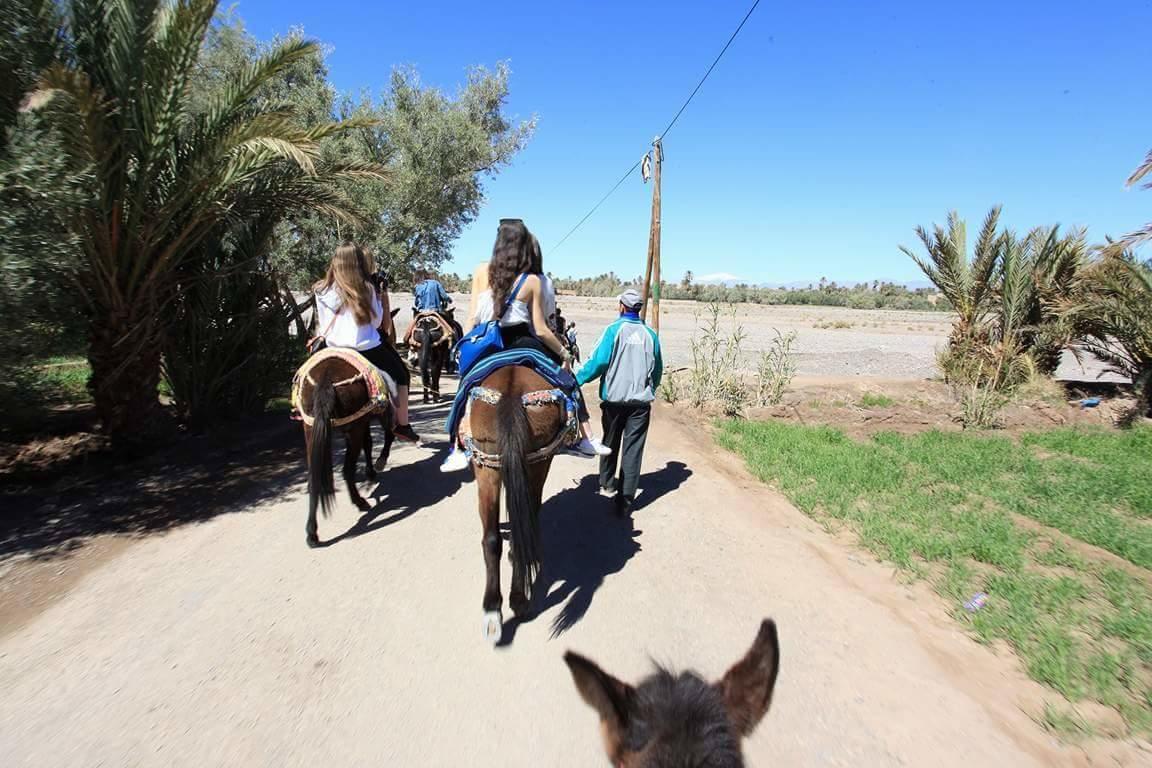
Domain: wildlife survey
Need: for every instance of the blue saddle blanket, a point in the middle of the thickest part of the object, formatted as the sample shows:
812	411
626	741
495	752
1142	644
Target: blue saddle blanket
529	358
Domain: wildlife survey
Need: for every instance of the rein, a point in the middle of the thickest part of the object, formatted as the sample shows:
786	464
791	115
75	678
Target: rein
528	399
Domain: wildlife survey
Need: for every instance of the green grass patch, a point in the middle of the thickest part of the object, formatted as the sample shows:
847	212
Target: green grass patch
62	379
875	400
942	506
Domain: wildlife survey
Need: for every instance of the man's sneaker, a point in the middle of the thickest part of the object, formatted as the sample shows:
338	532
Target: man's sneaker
405	432
611	489
457	460
591	446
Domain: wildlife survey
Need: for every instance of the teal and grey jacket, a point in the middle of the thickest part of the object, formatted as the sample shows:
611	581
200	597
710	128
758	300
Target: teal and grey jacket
627	356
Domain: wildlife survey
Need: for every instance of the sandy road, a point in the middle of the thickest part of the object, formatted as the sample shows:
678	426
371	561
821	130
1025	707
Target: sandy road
230	643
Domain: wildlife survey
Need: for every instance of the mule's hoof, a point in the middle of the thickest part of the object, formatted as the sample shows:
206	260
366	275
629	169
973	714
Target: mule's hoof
362	505
381	462
313	542
493	627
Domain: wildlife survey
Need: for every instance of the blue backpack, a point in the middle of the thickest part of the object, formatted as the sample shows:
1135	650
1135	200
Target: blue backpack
484	339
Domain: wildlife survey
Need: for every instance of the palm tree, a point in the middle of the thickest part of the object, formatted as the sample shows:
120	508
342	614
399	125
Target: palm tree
968	285
164	178
1144	234
1055	263
1113	312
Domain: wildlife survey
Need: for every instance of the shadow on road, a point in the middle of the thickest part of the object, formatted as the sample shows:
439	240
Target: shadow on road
194	480
584	543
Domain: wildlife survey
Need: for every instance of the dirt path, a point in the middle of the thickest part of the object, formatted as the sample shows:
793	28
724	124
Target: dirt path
228	642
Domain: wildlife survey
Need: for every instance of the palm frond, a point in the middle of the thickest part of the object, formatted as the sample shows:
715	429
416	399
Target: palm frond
1141	171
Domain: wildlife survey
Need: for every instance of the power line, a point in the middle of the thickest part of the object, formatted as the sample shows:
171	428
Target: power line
714	63
666	130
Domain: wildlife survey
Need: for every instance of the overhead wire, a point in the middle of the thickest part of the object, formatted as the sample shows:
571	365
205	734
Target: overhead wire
666	130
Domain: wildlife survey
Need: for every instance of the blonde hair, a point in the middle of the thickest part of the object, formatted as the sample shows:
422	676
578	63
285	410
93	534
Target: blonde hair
349	272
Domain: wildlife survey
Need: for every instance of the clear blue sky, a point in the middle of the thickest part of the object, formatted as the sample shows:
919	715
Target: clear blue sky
827	132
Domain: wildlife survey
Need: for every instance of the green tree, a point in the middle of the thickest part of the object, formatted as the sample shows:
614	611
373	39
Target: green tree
437	150
164	178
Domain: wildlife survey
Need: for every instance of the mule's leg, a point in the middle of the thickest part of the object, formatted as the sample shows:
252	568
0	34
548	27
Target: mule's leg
369	470
353	443
436	371
386	419
488	487
310	529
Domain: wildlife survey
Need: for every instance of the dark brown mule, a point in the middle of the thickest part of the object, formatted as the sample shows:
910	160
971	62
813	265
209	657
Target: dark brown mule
519	439
338	395
433	345
671	720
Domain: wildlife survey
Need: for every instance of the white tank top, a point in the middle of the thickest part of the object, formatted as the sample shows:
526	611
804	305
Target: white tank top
518	312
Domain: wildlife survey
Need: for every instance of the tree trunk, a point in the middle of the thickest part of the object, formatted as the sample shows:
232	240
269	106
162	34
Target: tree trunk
124	353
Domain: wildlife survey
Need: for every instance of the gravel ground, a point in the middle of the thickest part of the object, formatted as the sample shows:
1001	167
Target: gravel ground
830	341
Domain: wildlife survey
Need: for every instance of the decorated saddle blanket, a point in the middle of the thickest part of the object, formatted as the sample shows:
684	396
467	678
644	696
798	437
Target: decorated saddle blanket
529	358
381	387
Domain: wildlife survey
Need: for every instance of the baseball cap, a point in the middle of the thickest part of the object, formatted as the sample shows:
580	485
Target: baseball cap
631	299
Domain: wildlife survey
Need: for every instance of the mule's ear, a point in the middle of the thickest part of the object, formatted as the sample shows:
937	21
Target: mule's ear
747	686
605	694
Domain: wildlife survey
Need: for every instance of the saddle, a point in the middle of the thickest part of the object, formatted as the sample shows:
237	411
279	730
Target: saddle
381	387
449	336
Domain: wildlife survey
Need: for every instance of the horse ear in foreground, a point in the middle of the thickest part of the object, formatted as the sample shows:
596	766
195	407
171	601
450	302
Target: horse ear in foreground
672	720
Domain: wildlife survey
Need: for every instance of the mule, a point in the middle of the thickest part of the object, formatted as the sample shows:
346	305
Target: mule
516	430
433	347
339	401
678	720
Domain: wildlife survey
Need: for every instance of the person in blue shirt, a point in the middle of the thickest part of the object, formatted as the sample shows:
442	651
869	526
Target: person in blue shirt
430	294
628	362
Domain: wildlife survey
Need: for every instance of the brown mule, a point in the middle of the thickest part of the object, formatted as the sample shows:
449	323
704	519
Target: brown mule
513	448
672	720
338	400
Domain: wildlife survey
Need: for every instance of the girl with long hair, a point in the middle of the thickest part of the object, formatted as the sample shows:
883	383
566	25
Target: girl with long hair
525	323
354	314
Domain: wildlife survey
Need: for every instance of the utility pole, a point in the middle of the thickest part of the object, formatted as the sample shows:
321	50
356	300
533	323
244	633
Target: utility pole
652	272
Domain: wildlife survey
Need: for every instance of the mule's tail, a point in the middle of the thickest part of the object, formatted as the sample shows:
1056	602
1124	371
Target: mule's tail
515	444
320	481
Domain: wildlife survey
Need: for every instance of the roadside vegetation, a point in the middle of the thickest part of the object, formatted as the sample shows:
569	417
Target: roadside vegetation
1053	527
166	180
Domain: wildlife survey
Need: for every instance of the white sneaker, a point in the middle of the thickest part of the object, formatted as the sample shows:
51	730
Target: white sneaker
457	460
591	446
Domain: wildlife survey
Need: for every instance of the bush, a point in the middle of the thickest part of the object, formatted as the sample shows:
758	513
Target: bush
776	368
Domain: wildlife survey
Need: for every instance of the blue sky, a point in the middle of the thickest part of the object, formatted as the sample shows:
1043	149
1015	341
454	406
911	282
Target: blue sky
827	132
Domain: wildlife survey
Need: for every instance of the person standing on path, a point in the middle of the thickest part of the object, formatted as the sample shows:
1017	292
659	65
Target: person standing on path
628	363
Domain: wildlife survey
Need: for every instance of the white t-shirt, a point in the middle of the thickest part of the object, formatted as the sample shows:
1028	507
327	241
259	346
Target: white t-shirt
345	332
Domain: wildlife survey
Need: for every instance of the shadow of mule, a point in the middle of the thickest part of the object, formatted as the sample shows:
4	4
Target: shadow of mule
583	546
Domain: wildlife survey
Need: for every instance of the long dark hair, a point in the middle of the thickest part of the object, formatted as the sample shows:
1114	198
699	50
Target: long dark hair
511	257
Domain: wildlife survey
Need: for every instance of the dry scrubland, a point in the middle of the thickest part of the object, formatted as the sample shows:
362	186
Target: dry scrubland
830	341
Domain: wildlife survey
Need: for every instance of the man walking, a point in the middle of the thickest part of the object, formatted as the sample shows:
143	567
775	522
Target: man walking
627	360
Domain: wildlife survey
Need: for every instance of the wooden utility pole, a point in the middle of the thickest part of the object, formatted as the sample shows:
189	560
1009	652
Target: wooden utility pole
652	273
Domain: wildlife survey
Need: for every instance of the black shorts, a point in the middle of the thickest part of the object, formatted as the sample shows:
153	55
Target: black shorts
388	360
521	337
